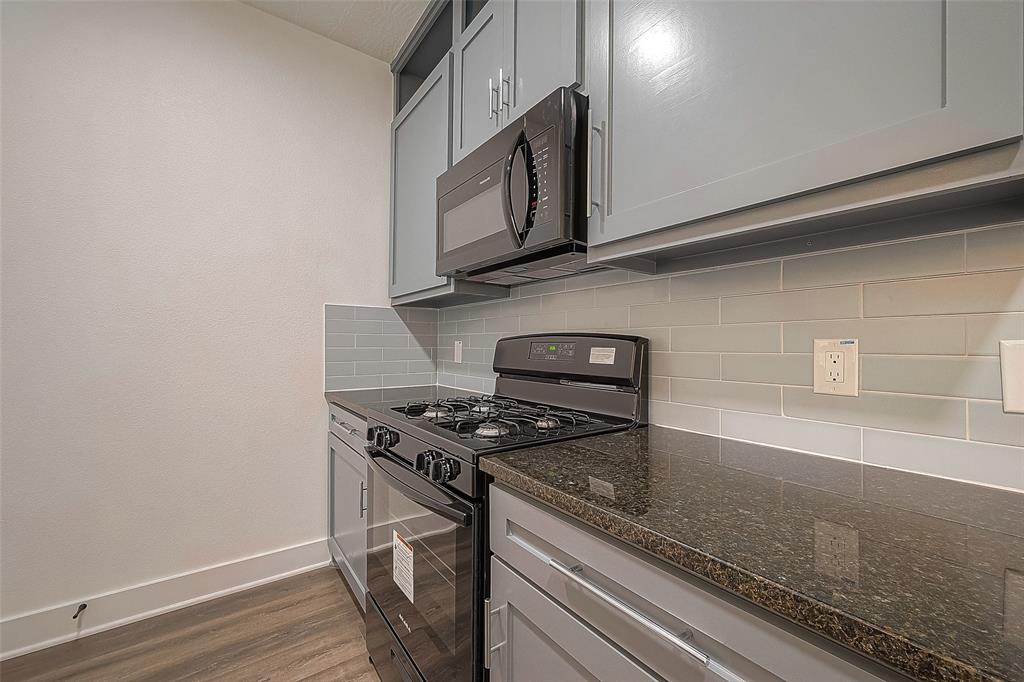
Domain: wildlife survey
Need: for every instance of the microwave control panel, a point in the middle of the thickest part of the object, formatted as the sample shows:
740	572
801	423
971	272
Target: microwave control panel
541	148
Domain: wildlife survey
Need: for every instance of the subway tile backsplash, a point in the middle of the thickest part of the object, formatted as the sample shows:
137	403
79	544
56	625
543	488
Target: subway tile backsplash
368	347
731	347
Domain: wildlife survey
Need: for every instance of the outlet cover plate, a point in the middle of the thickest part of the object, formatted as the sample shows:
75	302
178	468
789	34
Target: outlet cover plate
831	379
1011	360
837	551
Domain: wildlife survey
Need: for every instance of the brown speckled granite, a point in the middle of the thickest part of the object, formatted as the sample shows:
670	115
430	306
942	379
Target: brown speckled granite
936	562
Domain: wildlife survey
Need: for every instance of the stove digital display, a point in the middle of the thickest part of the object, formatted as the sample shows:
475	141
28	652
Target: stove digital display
552	351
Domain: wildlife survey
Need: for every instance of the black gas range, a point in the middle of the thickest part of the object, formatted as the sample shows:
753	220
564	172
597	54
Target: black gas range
426	516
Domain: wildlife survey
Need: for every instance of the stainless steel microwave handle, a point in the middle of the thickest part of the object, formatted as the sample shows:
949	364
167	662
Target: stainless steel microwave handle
641	619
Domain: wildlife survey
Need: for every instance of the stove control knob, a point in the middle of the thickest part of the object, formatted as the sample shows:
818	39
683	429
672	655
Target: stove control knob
383	437
424	460
444	470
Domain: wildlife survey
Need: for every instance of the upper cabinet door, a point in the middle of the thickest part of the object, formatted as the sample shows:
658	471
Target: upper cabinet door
542	52
420	151
703	108
478	73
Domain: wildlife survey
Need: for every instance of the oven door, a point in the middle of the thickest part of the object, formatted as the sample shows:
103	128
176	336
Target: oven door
423	568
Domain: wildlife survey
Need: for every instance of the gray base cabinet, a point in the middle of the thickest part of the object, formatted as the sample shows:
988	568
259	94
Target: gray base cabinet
533	638
704	108
565	598
347	539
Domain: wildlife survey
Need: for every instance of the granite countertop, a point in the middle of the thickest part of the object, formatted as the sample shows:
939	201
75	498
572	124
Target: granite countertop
932	580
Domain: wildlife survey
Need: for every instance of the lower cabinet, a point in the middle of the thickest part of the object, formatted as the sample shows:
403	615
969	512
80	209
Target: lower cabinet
347	540
570	604
533	638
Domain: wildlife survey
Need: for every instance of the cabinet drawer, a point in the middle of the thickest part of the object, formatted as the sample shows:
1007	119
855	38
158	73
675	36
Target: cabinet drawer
614	589
350	428
533	638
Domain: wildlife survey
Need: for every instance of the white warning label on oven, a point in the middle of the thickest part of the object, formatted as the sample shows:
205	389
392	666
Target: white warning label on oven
401	560
602	356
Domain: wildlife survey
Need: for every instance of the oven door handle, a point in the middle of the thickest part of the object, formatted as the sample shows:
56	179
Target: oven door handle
402	480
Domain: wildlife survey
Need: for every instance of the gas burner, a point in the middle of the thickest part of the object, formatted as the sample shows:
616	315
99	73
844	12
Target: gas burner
437	412
486	408
547	423
491	430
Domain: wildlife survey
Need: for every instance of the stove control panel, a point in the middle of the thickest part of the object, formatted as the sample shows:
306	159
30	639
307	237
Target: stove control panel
552	351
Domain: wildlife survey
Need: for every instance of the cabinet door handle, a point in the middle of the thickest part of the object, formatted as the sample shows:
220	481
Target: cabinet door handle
506	87
492	96
490	648
362	499
591	131
625	609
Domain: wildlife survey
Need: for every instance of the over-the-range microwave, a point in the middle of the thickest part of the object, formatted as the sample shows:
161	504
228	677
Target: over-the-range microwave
514	210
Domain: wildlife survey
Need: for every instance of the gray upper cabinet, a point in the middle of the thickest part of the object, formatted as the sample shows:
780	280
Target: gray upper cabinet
420	151
542	52
478	74
512	55
704	108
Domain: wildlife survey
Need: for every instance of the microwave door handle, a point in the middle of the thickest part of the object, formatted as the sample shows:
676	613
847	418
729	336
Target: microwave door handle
506	189
449	510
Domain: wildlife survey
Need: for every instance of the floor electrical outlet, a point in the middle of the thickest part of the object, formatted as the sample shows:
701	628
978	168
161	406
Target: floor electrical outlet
836	367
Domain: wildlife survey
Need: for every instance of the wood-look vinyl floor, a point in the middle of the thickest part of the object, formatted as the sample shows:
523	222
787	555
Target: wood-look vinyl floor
306	627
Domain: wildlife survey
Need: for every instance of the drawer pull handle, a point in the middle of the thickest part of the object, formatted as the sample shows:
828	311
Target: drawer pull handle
573	574
348	428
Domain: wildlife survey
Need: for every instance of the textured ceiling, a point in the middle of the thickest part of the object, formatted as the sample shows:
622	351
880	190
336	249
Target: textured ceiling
375	27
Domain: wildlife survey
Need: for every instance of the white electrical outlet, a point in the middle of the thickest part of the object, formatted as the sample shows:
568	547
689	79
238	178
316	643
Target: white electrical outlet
836	367
458	351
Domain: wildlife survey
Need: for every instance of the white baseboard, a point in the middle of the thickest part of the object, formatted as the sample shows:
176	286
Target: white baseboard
29	632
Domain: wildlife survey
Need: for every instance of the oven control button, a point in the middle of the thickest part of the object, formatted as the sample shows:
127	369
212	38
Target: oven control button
444	470
424	460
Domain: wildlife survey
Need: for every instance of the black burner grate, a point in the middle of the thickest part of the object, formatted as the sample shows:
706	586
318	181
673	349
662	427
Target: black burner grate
496	418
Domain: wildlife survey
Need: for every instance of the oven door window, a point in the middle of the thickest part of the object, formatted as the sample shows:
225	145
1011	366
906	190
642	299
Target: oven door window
420	564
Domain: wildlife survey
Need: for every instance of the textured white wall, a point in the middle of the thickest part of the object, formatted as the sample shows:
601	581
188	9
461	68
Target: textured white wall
184	186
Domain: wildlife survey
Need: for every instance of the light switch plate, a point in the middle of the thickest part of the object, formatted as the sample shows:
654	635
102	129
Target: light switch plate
458	351
1011	360
836	367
